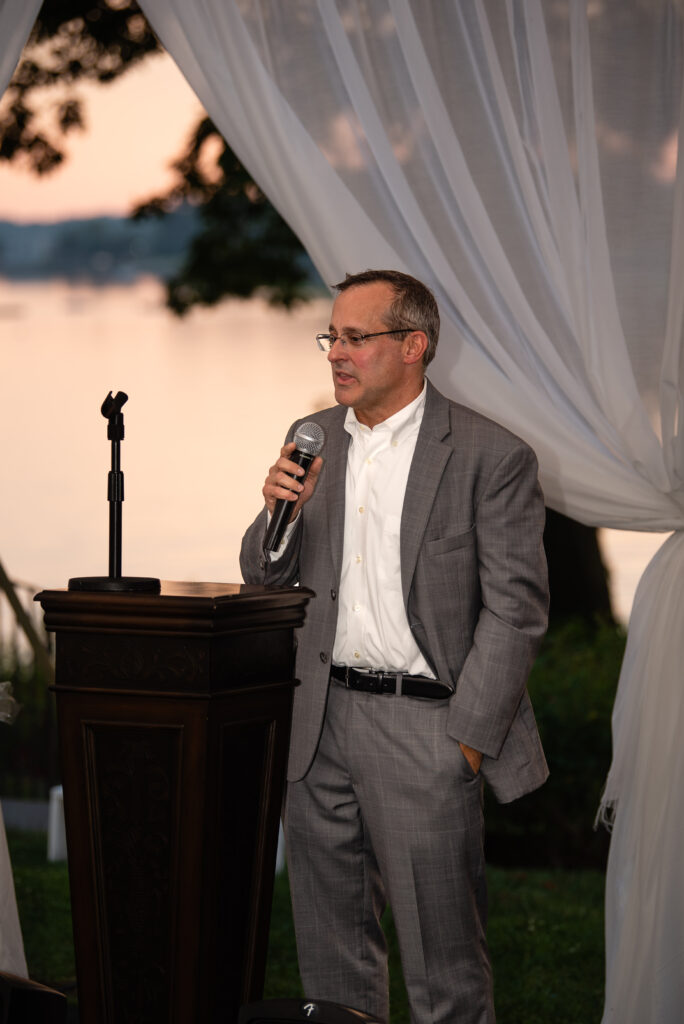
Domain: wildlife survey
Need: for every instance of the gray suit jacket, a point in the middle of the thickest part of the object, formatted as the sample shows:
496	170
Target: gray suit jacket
473	575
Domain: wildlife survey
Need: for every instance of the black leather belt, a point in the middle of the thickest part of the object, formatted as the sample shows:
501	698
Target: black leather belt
390	682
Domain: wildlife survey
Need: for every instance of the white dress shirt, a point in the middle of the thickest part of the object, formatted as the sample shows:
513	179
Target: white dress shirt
372	627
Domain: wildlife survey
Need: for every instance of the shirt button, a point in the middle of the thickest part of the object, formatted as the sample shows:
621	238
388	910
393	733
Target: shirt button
357	607
356	654
358	559
361	509
324	657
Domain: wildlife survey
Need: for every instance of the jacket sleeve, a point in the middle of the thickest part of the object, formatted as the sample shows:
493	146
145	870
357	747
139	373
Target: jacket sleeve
254	563
509	524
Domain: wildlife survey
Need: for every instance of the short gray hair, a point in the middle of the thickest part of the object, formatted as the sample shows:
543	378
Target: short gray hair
413	306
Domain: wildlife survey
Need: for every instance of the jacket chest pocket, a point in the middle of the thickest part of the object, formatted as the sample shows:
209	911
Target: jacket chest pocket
455	541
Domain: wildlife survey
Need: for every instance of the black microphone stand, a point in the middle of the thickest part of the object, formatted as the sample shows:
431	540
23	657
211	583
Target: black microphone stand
111	410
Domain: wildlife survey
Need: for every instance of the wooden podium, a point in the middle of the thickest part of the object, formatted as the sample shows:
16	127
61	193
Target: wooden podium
173	716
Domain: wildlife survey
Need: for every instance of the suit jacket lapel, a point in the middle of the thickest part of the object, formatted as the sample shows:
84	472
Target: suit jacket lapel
429	459
335	455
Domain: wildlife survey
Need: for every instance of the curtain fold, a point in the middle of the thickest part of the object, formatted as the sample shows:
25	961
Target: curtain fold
16	21
644	890
12	958
366	179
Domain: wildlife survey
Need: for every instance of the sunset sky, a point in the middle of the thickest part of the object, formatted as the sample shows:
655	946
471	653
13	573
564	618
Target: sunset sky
135	129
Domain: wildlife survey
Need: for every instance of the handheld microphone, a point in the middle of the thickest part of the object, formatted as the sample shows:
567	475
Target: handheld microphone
309	440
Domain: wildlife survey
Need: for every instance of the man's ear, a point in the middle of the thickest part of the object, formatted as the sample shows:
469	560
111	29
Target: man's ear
415	345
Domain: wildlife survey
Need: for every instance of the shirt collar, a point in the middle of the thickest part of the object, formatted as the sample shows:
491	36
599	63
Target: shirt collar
400	425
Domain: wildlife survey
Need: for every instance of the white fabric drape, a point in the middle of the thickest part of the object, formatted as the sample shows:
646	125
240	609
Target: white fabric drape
16	20
12	959
521	158
438	137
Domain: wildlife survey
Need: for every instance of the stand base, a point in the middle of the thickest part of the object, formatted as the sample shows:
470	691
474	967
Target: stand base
123	584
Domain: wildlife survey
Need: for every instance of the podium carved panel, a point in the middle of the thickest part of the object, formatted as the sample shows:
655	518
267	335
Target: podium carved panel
133	775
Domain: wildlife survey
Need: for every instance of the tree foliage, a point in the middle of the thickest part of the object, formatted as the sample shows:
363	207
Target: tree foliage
243	245
71	42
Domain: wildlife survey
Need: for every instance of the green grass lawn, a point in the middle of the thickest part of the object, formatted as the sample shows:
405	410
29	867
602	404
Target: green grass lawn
42	891
546	938
545	933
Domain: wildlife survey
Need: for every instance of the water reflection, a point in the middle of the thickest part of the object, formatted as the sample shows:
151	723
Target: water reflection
210	398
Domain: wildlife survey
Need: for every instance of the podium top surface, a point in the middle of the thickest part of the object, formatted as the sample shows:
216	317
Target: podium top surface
180	607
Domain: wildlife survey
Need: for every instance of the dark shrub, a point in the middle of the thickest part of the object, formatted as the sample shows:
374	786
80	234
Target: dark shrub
28	747
572	686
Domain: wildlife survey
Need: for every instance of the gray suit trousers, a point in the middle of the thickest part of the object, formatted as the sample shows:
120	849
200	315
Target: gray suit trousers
390	811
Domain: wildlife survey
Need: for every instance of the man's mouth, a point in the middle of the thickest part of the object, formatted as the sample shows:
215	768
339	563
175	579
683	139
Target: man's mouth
343	378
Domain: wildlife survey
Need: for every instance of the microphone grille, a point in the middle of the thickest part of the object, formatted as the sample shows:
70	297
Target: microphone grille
309	438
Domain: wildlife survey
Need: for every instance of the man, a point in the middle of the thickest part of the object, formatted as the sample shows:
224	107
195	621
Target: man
420	531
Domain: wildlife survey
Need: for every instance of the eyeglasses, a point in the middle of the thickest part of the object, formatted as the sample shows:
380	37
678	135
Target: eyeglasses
325	342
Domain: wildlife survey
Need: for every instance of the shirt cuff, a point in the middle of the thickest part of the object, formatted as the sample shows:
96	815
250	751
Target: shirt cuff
273	556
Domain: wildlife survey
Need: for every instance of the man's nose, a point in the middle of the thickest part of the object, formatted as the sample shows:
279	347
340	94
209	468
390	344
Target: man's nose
338	351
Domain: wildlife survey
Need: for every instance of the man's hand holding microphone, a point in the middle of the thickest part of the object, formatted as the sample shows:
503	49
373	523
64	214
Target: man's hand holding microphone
291	480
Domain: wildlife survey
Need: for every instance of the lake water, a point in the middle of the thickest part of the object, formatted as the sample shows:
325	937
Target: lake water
210	398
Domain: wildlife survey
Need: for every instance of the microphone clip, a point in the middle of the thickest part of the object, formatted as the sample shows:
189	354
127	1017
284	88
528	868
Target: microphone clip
111	410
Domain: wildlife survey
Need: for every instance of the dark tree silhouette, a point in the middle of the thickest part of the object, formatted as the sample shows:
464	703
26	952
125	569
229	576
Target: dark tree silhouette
72	41
243	245
578	579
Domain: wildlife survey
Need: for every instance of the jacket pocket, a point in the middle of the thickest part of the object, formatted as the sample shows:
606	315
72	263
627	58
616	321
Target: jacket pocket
441	545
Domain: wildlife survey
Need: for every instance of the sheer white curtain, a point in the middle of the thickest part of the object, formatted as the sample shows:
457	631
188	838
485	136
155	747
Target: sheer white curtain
12	957
520	157
16	20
